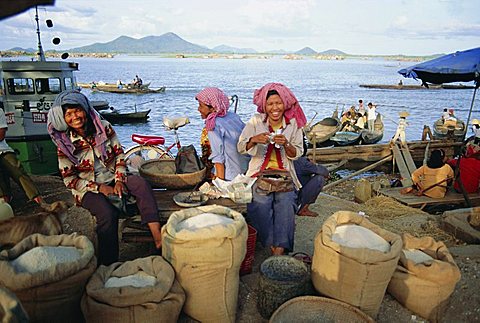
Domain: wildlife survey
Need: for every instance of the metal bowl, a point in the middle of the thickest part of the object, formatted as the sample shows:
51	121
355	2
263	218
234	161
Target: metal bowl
190	199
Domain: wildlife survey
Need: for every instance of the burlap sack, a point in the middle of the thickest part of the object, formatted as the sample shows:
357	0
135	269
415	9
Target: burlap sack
357	276
425	288
11	310
52	295
207	262
159	303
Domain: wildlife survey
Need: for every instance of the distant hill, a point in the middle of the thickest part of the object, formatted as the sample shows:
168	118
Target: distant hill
333	52
19	49
306	51
166	43
233	50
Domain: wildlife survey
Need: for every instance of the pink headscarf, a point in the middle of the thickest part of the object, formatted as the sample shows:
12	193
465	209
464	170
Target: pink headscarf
215	98
293	110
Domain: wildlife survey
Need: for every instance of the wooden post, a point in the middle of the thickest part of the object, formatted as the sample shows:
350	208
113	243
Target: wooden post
365	169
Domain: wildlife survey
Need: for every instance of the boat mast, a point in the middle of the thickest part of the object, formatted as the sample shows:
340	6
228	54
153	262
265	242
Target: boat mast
40	53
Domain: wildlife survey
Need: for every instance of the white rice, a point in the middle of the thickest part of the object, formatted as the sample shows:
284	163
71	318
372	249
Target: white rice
356	236
140	279
204	220
417	256
42	258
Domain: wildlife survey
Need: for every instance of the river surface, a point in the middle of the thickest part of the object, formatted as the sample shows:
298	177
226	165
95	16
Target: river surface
319	85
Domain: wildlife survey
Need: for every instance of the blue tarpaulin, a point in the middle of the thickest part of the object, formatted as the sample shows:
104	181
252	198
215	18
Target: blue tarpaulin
461	66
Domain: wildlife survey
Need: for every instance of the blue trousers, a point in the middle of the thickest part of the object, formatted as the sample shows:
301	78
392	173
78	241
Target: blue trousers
310	190
273	216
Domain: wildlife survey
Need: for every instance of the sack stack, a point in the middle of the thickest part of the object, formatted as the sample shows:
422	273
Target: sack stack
207	260
424	287
52	294
117	293
357	276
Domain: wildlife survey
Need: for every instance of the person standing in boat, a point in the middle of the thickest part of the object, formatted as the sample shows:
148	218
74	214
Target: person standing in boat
10	167
361	108
371	116
402	125
445	115
274	139
223	129
91	162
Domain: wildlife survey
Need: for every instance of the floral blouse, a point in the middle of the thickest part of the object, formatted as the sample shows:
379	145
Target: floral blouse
91	170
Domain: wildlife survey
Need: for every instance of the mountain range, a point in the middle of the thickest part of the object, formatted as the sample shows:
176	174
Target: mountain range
172	43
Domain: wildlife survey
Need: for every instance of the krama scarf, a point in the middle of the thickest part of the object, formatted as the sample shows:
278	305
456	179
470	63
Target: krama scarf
215	98
57	127
293	110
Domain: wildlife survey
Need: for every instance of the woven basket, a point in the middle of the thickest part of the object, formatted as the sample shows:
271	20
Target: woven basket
246	266
161	173
318	309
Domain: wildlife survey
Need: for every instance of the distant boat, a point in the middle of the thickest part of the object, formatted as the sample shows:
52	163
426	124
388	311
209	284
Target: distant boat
128	88
100	105
371	137
323	130
115	116
417	87
447	129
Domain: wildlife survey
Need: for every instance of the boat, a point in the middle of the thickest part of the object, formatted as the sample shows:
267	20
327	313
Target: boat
417	87
128	90
445	130
112	85
116	116
27	91
323	130
100	105
345	138
371	137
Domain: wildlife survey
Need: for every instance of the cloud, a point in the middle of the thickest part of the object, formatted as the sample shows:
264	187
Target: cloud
454	30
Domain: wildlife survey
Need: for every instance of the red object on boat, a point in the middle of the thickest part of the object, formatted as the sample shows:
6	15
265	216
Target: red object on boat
148	140
247	263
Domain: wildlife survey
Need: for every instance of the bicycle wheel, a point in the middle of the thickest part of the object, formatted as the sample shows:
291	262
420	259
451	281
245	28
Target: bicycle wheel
137	155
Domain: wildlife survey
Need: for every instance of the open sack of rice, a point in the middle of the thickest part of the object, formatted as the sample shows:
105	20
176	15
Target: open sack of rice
11	310
206	246
141	290
425	277
48	274
354	260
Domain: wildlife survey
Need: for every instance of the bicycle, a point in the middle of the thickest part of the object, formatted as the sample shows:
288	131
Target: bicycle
152	147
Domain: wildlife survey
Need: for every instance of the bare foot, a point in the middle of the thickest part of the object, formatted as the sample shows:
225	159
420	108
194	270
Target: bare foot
155	229
304	211
406	190
277	251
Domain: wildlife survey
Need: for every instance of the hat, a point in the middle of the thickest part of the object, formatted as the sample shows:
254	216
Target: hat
450	111
476	121
403	114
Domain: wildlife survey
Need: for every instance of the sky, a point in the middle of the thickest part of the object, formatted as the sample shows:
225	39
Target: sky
361	27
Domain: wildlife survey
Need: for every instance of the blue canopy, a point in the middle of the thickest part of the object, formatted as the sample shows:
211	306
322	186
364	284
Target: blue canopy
461	66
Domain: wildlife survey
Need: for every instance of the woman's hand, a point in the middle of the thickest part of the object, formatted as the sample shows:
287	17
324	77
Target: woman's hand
262	138
280	140
119	189
105	189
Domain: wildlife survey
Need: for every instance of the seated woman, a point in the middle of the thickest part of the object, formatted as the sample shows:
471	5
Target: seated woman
92	165
432	179
223	129
273	138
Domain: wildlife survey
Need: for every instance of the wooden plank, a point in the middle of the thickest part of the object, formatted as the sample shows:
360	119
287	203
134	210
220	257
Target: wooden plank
402	167
412	200
408	160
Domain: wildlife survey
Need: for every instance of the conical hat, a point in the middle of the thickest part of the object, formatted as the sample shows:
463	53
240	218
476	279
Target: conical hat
403	114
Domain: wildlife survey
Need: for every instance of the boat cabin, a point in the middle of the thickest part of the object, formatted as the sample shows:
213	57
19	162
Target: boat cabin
27	91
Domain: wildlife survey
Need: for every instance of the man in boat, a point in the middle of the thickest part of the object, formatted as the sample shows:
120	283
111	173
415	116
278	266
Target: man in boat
371	116
445	115
451	121
137	82
10	167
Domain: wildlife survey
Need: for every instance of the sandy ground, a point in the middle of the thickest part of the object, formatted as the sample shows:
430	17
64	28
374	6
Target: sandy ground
464	302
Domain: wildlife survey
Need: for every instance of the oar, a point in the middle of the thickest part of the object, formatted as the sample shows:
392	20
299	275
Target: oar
388	117
310	123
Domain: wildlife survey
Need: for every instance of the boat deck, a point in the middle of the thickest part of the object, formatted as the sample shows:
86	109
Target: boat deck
412	200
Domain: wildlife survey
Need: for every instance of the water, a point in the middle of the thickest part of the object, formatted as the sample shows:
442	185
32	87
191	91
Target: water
319	85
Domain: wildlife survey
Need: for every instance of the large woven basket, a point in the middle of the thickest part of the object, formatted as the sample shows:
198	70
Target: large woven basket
161	173
310	309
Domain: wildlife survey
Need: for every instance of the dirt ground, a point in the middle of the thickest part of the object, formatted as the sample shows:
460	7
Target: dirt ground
464	302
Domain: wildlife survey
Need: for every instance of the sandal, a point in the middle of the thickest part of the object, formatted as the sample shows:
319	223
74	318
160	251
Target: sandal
307	213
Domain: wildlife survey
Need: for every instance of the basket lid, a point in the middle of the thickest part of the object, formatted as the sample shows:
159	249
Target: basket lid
283	268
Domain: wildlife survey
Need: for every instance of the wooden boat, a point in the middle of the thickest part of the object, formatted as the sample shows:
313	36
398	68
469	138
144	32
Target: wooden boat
443	130
140	90
100	105
417	87
372	137
323	130
116	116
112	85
344	138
